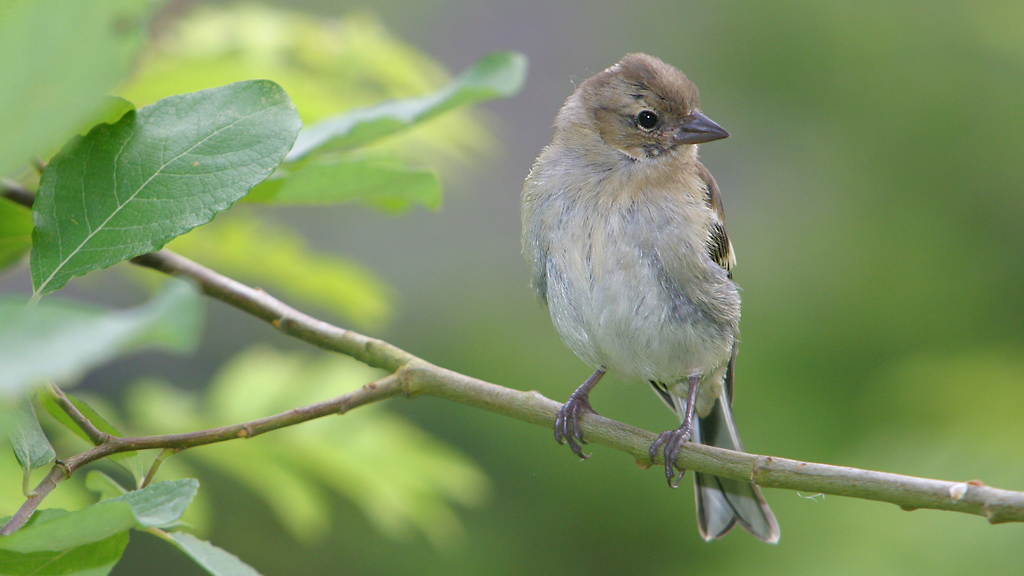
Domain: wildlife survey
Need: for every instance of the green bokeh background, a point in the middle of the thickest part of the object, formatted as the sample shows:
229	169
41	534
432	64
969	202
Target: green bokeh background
874	187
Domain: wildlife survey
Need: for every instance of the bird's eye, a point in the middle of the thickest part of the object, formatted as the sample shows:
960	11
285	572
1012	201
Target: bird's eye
647	120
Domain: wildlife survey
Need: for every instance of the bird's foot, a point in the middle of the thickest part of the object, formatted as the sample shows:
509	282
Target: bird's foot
673	441
567	423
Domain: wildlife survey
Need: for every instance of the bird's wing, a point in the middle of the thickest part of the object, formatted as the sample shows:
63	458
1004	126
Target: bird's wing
719	246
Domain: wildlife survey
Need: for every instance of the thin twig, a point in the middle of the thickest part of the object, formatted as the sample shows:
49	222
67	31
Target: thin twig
387	387
288	320
16	192
96	436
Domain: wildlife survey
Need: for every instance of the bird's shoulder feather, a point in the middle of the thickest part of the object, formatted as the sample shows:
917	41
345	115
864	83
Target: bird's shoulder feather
719	247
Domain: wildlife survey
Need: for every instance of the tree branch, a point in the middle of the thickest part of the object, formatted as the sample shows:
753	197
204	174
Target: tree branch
255	301
421	377
412	376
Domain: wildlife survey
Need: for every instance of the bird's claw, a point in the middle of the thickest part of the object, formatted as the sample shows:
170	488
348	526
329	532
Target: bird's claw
673	441
567	423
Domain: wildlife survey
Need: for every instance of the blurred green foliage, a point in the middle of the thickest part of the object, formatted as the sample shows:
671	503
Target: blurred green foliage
60	83
404	480
287	267
326	65
60	340
15	232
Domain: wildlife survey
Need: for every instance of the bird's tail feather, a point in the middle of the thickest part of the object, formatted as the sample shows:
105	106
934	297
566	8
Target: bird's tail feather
722	502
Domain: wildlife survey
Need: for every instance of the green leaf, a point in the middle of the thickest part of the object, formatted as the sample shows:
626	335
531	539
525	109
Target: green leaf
496	75
388	184
287	267
56	530
214	560
93	559
31	447
130	461
15	232
53	87
161	504
59	341
98	481
129	188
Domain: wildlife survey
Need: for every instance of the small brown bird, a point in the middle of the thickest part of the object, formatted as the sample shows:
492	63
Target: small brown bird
624	233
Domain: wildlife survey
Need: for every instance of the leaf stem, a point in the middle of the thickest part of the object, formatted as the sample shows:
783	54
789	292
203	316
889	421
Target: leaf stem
164	454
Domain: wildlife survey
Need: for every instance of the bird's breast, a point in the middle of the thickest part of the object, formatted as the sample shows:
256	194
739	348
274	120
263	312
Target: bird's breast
630	287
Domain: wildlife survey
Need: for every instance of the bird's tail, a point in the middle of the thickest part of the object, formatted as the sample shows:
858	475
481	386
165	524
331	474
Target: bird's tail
722	502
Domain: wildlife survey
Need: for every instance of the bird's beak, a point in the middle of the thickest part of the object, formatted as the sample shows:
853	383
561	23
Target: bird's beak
697	128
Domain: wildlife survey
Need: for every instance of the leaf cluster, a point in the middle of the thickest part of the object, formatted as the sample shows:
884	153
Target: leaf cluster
129	181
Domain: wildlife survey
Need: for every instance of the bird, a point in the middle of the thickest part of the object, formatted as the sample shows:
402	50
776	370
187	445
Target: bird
624	235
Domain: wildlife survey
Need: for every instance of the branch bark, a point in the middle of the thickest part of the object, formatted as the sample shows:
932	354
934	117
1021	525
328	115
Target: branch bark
413	376
420	377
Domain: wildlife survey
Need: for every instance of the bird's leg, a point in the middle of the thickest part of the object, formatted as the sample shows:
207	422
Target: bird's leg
674	439
567	421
